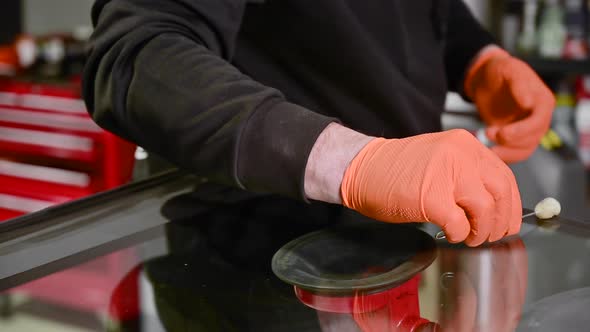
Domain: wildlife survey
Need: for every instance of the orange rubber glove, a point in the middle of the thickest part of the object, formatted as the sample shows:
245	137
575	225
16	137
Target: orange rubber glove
512	100
449	179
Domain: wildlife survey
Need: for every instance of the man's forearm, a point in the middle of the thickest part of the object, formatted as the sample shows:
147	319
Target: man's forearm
329	158
159	74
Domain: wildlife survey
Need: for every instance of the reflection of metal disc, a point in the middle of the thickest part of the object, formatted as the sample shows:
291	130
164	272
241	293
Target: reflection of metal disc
364	256
344	304
567	311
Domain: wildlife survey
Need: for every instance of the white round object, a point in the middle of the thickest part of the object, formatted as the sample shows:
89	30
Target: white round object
140	154
547	208
26	48
54	50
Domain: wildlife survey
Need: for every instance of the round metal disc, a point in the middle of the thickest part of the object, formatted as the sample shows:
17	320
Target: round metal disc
364	256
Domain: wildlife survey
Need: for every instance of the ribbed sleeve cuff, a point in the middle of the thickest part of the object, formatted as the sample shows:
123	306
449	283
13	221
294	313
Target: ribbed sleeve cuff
274	147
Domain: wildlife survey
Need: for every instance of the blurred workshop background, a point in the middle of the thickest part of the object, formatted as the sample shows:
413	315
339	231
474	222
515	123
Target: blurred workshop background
51	152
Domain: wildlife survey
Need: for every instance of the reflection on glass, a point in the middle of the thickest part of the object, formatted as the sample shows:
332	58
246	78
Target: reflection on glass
396	309
99	295
212	272
481	289
487	289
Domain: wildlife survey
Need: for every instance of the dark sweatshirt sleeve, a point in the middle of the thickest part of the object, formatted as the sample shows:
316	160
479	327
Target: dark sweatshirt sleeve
464	38
159	74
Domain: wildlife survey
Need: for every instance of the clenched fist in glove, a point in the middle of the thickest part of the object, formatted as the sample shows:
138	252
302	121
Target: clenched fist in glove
512	100
449	179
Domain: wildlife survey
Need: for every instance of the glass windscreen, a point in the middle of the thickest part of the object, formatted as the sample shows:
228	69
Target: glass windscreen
211	270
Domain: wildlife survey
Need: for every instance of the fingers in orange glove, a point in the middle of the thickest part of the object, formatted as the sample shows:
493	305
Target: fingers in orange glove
534	100
479	206
515	141
515	222
449	179
517	133
456	225
512	100
510	218
502	194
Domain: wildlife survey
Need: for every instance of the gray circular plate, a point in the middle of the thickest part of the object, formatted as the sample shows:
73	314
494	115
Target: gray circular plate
365	256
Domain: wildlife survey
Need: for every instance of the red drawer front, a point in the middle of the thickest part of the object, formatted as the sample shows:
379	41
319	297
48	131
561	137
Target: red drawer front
6	214
54	122
16	91
22	205
41	190
43	182
51	151
28	188
26	142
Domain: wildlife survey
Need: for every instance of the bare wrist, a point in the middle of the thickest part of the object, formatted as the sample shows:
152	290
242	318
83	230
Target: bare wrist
329	158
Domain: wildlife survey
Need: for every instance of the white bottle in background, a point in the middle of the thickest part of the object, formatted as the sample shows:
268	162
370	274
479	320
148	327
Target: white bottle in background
583	127
583	122
552	31
527	41
563	122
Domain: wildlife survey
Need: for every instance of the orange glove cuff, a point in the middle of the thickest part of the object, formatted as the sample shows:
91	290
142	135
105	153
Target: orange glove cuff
471	76
350	197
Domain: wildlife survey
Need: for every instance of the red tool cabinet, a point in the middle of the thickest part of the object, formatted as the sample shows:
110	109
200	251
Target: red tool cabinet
52	152
50	149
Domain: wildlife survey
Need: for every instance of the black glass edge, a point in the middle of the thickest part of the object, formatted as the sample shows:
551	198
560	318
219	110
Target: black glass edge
86	203
79	258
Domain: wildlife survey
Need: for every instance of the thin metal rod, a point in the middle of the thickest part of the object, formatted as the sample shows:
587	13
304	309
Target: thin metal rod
440	235
528	215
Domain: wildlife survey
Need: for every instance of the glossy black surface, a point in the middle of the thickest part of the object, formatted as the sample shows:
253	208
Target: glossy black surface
185	264
40	243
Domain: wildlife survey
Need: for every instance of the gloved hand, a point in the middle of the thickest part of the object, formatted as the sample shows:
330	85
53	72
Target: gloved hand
449	179
512	100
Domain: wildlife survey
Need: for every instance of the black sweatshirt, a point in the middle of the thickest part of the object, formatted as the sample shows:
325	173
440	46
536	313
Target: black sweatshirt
238	91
